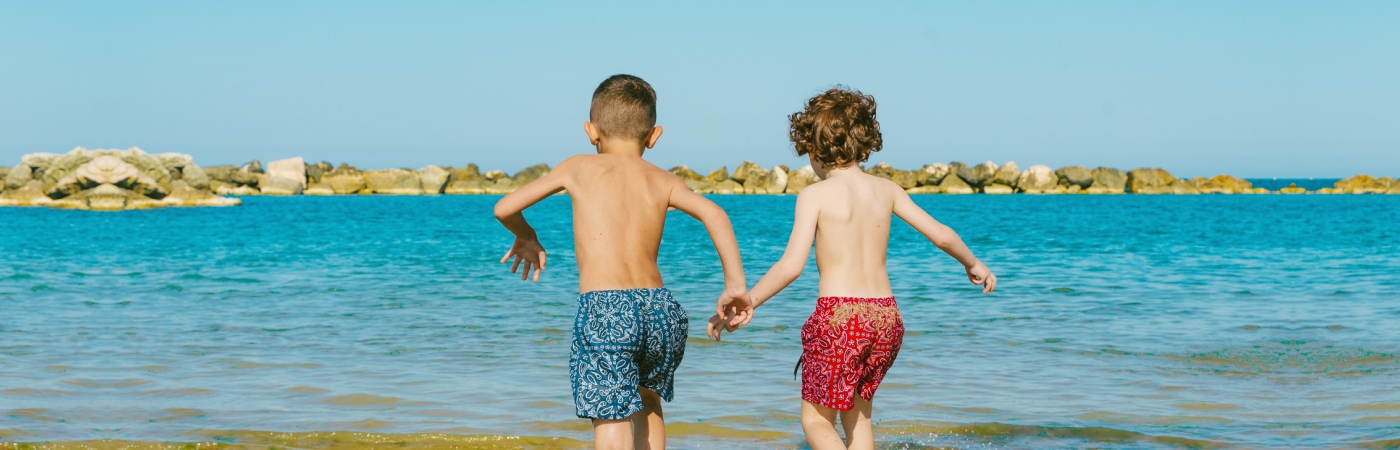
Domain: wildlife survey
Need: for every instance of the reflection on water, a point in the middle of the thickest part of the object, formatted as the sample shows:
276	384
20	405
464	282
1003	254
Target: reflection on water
1120	321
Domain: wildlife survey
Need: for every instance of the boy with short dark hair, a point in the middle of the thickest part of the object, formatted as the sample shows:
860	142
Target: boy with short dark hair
629	334
853	337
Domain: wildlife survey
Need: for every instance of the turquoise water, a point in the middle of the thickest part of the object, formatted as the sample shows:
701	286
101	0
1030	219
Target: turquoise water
1261	321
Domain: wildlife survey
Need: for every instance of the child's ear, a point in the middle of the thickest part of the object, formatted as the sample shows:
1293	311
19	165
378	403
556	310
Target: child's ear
594	137
653	136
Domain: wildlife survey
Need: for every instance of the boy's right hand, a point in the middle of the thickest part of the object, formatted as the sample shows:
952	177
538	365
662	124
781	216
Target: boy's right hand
529	251
734	306
980	275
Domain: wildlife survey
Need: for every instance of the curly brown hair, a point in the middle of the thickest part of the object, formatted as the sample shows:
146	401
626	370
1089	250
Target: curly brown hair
837	127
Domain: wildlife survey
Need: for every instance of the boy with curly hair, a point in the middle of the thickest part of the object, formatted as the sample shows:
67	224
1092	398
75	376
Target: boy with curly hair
629	334
853	337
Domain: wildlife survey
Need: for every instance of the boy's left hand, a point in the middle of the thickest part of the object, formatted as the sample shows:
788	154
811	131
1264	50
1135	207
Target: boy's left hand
980	275
528	251
734	306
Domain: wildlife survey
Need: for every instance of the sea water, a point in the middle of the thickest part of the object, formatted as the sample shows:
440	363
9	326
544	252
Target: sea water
1257	321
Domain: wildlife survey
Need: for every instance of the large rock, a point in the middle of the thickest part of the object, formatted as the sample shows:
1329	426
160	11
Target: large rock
686	174
345	179
925	190
1075	176
194	176
529	174
318	189
290	169
882	170
494	176
997	188
468	173
801	178
18	177
1224	184
434	179
954	185
906	179
4	171
474	185
253	166
932	174
729	187
700	186
1361	184
978	175
501	186
1008	174
314	172
718	175
1108	180
40	160
269	184
1180	187
748	170
394	182
1038	179
776	181
222	173
64	165
29	194
1150	181
174	160
755	180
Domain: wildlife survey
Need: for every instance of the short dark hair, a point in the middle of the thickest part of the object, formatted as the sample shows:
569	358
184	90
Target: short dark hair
837	127
624	106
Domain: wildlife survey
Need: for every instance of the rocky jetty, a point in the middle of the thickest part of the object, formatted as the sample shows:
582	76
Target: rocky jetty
132	179
108	180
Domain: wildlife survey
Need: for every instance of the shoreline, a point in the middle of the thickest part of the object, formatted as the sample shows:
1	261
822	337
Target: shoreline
110	180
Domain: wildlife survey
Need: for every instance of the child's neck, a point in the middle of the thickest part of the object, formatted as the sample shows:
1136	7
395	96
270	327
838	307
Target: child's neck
843	171
621	147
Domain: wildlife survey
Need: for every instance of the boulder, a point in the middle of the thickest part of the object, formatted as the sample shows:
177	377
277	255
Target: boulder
1150	181
954	185
194	176
978	175
1361	184
474	185
932	174
314	172
4	171
41	160
253	166
221	173
344	179
468	173
318	189
290	169
882	170
1224	184
108	169
269	184
1180	187
776	181
245	190
954	168
729	187
906	179
925	190
801	178
1108	180
701	186
31	193
494	175
997	188
64	165
501	186
1073	189
1075	176
686	174
393	181
1008	174
755	180
529	174
434	179
1293	189
1038	179
174	160
718	175
18	177
748	170
221	187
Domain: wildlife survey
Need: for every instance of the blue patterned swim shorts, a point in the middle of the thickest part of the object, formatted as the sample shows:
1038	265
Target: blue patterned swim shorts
624	339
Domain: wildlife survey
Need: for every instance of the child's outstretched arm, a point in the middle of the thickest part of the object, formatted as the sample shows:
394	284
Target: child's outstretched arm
510	211
734	301
786	270
946	239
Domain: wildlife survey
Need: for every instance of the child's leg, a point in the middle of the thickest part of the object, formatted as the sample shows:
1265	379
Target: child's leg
856	422
612	434
649	424
819	423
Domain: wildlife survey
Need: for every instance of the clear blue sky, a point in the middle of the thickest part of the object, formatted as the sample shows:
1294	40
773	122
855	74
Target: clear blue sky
1268	88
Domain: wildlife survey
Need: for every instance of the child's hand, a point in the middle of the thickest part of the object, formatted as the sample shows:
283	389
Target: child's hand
531	253
719	325
735	307
980	275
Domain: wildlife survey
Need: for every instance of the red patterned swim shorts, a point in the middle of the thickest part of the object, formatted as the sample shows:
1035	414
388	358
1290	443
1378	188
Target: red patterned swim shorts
847	347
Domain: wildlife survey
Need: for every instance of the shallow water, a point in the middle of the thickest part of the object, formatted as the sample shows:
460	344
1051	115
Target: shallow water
1261	321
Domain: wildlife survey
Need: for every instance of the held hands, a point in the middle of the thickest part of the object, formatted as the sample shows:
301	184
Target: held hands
980	275
732	310
528	251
